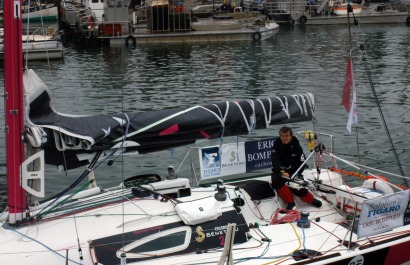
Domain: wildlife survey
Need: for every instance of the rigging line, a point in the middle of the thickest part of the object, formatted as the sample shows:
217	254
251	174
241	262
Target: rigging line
357	142
357	167
354	87
183	160
381	171
44	35
304	237
250	208
291	253
83	175
349	8
27	32
90	168
55	206
42	244
366	64
124	137
330	234
78	239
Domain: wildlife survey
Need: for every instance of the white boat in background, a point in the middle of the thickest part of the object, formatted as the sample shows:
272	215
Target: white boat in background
38	46
341	9
147	219
260	29
266	30
37	12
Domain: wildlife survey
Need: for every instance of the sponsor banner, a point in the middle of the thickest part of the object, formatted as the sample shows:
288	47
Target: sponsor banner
406	219
235	158
258	154
382	214
217	162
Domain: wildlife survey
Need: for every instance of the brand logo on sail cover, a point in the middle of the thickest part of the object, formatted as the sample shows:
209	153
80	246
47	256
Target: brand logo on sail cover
383	207
201	236
211	162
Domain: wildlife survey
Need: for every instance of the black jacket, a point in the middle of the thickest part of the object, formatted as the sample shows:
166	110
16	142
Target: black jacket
288	157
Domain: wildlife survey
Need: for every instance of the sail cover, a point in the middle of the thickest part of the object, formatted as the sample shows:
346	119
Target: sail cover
154	130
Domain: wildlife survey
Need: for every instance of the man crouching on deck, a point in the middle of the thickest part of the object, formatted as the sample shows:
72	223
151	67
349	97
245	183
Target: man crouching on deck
287	157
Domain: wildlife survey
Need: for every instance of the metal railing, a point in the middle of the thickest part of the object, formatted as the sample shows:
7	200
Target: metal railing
169	16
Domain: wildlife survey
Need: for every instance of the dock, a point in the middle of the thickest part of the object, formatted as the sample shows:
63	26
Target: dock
40	51
243	34
299	13
403	18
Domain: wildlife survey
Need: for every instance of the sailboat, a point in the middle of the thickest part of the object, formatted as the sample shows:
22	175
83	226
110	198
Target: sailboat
154	220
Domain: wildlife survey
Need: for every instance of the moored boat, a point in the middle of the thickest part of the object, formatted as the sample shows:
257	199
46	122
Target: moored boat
38	45
329	12
166	21
36	13
39	12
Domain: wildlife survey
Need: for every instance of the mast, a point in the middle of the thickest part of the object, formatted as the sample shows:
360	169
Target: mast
13	86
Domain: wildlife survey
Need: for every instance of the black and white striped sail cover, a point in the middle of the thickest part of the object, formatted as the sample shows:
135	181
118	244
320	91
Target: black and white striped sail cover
155	130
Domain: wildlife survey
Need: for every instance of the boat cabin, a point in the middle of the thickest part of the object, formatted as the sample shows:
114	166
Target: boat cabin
168	15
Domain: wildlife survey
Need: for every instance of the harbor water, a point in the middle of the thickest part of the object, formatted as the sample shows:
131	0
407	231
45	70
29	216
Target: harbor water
296	60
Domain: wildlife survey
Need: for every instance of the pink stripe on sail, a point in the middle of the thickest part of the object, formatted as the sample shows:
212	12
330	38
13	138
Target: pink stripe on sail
173	129
207	136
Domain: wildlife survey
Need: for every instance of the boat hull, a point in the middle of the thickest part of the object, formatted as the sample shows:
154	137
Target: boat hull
142	226
39	50
203	35
47	14
341	10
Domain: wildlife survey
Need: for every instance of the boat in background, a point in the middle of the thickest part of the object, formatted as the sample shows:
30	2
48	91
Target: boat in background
37	12
41	44
165	21
40	12
331	12
341	9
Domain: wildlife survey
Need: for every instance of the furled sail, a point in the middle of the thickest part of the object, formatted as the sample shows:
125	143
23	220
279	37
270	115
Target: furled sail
155	130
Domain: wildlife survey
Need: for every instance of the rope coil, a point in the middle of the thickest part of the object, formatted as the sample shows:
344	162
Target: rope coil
282	215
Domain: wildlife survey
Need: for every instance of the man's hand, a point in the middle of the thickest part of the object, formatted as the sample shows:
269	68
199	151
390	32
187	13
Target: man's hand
284	173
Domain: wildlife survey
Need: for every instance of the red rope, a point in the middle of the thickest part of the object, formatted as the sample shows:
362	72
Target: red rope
289	217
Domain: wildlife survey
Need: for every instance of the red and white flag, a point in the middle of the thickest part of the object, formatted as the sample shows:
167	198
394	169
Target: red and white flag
349	92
